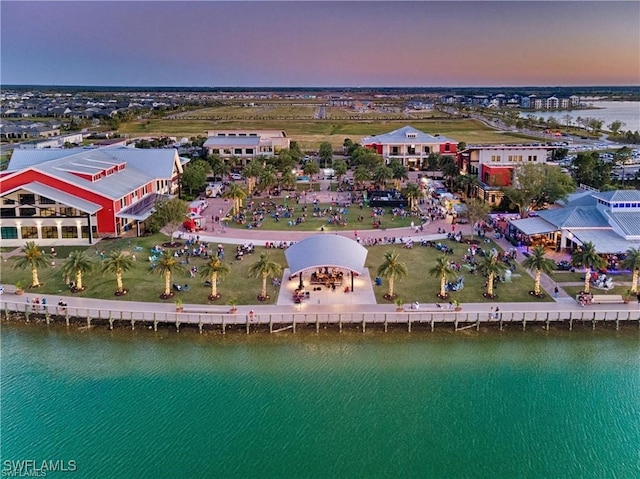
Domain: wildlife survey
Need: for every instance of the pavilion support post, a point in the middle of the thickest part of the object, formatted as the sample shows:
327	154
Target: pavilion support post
270	324
352	281
300	284
340	321
618	321
385	322
409	322
317	323
432	323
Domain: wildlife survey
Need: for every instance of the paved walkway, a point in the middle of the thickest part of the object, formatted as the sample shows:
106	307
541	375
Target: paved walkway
220	207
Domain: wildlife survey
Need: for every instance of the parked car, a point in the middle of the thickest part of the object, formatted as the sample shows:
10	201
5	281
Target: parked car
236	176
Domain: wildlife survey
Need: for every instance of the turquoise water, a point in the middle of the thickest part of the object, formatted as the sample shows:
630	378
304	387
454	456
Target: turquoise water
133	404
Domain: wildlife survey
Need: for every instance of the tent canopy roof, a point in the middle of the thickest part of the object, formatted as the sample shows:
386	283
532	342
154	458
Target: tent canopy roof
326	250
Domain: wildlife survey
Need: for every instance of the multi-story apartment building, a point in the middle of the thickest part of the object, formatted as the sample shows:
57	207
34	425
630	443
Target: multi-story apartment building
245	144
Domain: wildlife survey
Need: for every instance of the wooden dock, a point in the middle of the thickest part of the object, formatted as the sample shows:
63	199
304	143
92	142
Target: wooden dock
280	322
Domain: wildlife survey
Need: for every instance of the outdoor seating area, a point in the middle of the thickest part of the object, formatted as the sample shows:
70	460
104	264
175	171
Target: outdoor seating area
588	298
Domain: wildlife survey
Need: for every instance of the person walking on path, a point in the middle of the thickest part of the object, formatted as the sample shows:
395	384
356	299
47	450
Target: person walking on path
555	293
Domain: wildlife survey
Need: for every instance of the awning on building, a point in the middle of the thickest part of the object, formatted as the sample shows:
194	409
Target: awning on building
534	226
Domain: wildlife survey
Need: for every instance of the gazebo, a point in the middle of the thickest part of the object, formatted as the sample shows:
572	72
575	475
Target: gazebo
326	251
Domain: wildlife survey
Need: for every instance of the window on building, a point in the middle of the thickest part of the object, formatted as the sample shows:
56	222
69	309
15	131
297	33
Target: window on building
27	199
85	231
215	151
411	150
27	211
49	231
447	147
237	151
29	232
9	232
67	211
69	232
249	151
7	213
7	201
227	151
48	212
427	149
497	158
395	150
46	201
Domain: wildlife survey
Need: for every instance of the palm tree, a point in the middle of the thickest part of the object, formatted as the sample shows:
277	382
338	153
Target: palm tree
632	262
252	172
588	257
442	270
264	268
268	179
381	175
211	270
399	174
491	266
166	265
77	264
392	269
288	180
236	193
537	261
117	262
311	168
412	192
361	175
33	258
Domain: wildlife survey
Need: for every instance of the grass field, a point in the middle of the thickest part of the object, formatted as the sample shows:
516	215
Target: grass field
145	286
310	133
349	215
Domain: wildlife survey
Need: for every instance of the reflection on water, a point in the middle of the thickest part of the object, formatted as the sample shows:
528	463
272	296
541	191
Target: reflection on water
139	404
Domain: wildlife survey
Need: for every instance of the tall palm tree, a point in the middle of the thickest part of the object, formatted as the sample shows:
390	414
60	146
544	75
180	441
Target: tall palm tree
538	262
236	193
588	257
311	168
268	179
166	265
77	264
442	270
490	266
361	175
392	268
264	268
212	270
117	262
288	180
413	193
399	174
33	258
381	175
252	172
632	262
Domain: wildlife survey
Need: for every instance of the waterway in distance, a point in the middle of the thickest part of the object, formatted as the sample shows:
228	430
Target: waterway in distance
627	112
132	404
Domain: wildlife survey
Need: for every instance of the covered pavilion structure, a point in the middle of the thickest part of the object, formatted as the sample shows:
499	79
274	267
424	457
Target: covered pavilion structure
325	262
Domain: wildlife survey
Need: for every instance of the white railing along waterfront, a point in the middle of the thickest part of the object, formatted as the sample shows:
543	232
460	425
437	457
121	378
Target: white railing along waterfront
280	321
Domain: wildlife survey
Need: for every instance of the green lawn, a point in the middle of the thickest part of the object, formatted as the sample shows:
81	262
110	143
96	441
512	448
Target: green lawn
145	286
420	286
315	223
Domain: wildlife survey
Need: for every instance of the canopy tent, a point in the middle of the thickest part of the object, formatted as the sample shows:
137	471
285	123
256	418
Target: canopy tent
326	250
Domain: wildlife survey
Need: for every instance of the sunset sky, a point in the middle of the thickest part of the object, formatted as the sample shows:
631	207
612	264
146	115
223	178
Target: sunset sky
393	43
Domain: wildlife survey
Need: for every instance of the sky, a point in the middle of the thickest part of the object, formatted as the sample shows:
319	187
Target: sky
325	44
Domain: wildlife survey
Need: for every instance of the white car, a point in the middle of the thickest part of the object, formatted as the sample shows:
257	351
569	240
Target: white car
236	176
